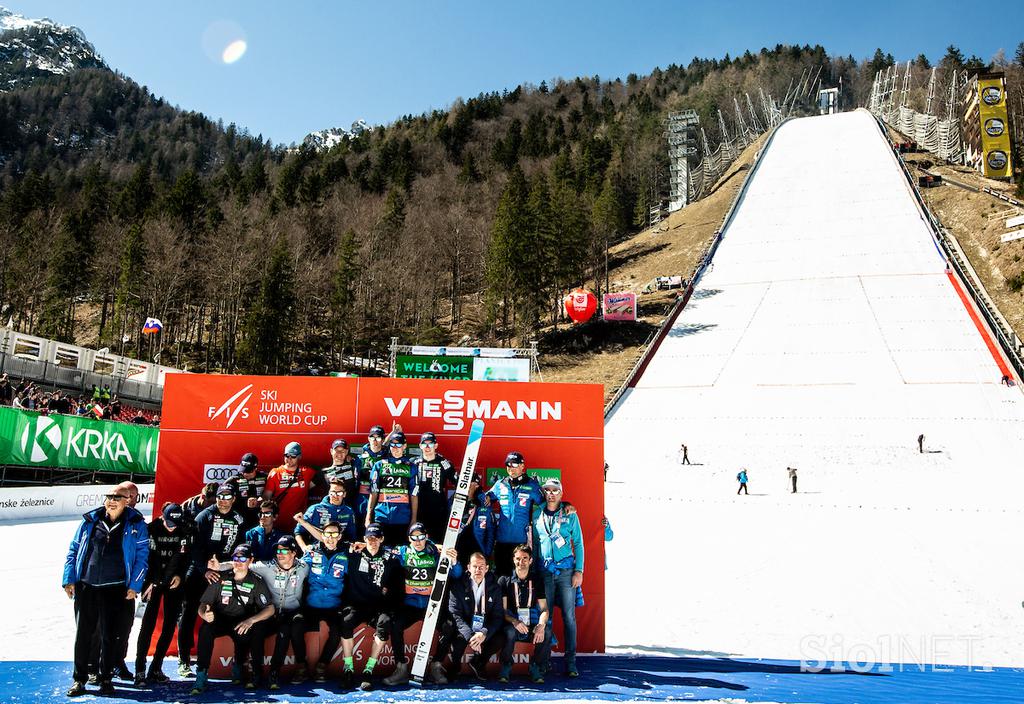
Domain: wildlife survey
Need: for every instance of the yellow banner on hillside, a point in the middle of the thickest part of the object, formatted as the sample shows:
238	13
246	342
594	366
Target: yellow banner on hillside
995	133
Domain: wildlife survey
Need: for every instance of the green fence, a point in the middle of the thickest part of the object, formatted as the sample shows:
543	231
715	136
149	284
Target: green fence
30	439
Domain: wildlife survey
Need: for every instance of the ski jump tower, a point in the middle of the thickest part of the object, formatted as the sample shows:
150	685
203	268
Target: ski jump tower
682	144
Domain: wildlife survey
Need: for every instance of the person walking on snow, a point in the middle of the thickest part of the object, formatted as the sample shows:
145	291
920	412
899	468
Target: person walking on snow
684	456
742	479
792	477
920	443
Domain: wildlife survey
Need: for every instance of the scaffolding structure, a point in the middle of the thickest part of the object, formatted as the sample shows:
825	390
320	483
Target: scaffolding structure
682	146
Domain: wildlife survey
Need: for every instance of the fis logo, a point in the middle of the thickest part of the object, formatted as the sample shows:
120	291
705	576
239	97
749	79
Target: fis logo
41	440
231	410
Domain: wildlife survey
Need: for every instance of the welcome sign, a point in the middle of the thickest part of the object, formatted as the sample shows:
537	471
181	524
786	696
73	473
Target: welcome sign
433	367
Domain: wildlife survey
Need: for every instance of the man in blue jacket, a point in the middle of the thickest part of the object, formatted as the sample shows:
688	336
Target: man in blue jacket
331	509
328	569
105	566
517	495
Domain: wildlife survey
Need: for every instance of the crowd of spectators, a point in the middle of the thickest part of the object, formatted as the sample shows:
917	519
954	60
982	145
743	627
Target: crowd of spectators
100	403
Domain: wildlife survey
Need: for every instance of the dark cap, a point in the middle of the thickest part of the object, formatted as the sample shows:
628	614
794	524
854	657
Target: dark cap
397	439
249	462
377	430
514	458
287	541
243	550
172	514
428	437
340	442
417	526
374	531
227	489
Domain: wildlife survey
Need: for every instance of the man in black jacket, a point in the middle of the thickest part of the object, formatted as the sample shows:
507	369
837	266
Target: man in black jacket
477	622
170	542
218	530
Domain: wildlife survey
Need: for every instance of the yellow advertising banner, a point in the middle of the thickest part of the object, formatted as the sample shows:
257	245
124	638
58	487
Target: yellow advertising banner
995	135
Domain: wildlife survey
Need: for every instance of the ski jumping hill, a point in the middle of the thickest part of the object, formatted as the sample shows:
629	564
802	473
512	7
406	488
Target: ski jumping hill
827	335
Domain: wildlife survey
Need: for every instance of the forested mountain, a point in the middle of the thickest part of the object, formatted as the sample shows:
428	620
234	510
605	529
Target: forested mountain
115	206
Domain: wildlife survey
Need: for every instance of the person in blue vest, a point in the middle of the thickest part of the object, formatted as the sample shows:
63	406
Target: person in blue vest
328	567
331	509
741	477
105	567
394	492
263	537
517	494
558	541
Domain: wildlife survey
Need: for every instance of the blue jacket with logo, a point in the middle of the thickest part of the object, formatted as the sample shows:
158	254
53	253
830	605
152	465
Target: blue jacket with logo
558	540
134	545
323	513
326	578
263	545
517	498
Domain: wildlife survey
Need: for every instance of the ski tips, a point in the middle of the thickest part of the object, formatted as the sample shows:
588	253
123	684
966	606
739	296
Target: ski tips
476	430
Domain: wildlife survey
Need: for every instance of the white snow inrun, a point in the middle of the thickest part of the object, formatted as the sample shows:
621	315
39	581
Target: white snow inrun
826	336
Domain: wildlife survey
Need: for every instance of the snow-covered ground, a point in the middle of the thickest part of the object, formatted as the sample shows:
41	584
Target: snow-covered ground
826	336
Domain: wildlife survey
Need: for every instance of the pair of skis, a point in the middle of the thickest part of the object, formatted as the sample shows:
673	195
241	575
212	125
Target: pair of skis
436	603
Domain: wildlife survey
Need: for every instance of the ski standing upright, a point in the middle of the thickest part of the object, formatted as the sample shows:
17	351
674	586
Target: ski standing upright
444	565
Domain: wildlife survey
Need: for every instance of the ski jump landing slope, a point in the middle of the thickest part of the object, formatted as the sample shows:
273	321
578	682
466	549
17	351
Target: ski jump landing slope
826	336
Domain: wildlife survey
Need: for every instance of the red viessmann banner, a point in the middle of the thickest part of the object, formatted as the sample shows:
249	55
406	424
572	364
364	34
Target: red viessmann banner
215	419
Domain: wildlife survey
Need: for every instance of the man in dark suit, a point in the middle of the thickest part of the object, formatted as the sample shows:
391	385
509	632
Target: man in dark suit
477	622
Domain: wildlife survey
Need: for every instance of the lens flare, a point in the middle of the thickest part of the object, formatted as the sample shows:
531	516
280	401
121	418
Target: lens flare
234	51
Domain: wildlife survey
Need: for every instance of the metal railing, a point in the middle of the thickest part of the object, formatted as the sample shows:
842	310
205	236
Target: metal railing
957	260
651	347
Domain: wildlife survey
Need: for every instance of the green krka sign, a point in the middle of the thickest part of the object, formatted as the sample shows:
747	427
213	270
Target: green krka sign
413	367
29	439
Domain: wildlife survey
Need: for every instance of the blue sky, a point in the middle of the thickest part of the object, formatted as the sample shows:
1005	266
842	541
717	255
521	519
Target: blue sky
316	64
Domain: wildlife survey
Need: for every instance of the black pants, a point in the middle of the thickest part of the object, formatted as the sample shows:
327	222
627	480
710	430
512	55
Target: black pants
541	651
225	626
373	616
503	558
194	587
290	628
404	617
126	625
452	642
743	488
794	485
312	617
686	458
171	600
99	610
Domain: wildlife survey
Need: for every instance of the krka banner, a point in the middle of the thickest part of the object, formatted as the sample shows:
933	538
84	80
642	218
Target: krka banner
31	439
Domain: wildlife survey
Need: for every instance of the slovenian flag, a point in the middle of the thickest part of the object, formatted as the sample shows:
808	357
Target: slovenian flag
152	326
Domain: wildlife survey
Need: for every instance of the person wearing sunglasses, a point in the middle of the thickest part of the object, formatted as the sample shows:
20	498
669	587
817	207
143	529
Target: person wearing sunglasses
170	541
250	485
286	576
343	466
418	560
394	491
328	571
105	566
374	580
218	531
559	545
372	452
434	474
332	509
289	485
236	605
517	494
264	536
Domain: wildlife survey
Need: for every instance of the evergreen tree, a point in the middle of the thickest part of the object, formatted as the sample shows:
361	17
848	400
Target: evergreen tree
954	58
511	222
922	62
343	291
129	281
1018	57
469	172
271	317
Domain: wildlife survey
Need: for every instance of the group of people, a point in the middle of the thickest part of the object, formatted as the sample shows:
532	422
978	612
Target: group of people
357	542
101	404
